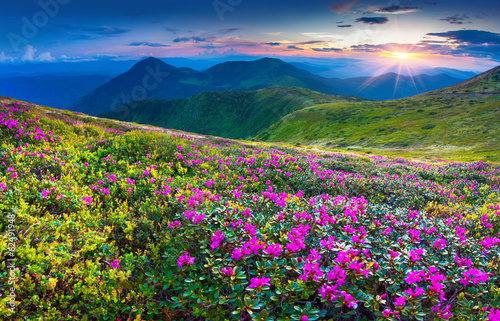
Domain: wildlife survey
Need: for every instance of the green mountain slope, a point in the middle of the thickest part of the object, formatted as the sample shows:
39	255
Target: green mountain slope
224	113
447	120
153	79
486	83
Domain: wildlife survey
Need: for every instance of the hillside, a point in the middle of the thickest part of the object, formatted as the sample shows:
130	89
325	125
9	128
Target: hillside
226	114
58	91
153	79
487	83
106	220
447	121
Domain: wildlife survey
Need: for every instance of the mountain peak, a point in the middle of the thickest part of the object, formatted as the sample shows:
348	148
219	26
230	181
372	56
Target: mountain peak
152	62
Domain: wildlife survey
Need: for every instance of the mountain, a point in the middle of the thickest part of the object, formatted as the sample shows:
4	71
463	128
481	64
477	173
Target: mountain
51	90
152	78
224	113
392	85
149	78
464	118
455	73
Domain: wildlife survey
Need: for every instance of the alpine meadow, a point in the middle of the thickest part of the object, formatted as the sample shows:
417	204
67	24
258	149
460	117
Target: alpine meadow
233	160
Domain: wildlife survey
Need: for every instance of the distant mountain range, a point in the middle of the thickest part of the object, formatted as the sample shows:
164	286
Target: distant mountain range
154	79
392	85
224	113
51	90
245	76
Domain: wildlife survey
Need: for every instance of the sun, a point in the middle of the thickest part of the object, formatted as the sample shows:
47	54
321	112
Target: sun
400	55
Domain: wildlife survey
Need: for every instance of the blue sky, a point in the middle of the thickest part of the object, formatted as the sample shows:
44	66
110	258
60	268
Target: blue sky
459	33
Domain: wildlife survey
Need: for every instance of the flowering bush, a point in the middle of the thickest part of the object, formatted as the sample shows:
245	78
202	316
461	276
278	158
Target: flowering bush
113	221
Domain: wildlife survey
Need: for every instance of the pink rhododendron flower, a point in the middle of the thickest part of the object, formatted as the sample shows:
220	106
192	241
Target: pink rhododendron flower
258	282
227	271
400	301
115	264
473	276
44	193
415	255
185	259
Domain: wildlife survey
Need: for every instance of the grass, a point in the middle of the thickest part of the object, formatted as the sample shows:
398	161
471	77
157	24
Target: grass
424	126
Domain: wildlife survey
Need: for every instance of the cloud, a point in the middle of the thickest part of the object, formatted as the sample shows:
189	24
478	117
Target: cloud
395	9
90	33
208	47
148	44
342	6
29	53
273	33
271	43
373	20
312	42
464	43
344	26
456	19
45	57
229	30
4	58
481	15
295	48
327	49
474	37
190	39
172	30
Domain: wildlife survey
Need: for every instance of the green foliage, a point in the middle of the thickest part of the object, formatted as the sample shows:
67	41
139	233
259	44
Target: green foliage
116	221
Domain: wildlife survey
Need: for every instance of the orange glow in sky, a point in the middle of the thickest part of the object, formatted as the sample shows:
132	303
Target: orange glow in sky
401	55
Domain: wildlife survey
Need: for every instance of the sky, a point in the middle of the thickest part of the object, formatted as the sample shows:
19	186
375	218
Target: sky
461	34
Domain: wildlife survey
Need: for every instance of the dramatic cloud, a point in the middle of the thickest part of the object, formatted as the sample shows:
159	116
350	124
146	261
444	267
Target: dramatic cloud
395	9
229	30
474	37
456	19
340	6
344	26
327	49
289	47
271	43
190	39
464	43
148	44
373	20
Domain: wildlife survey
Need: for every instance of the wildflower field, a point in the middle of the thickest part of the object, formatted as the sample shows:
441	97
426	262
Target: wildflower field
102	220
